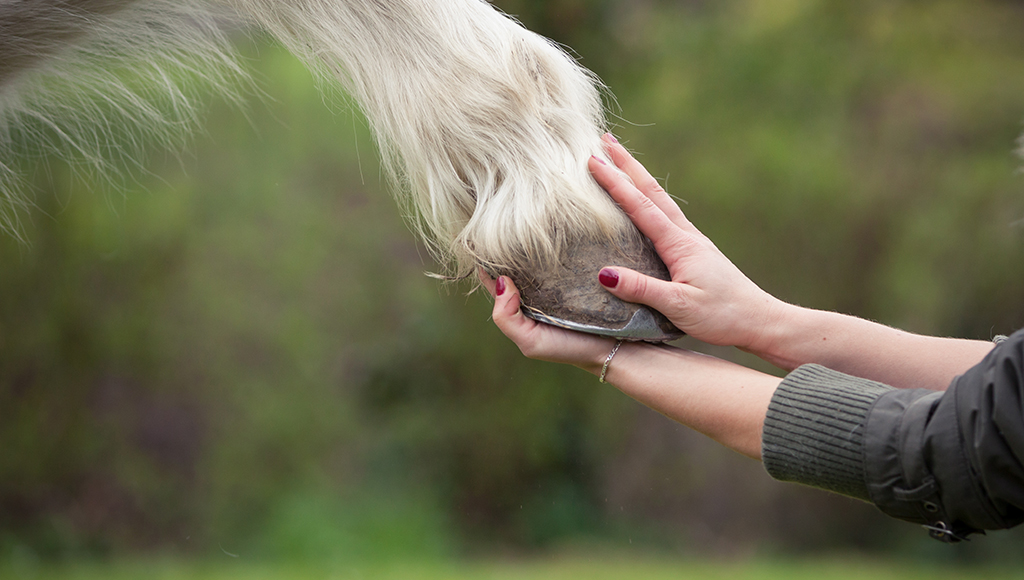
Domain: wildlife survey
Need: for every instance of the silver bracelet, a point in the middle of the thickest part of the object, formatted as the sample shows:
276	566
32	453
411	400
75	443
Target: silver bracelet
608	361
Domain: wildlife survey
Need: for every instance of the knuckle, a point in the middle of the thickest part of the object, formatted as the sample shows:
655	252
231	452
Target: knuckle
638	287
677	303
684	243
645	204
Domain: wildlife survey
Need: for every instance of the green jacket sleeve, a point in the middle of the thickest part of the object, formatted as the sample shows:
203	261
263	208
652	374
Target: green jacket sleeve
952	461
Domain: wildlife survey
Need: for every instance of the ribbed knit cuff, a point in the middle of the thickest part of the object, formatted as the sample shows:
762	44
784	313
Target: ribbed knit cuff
814	429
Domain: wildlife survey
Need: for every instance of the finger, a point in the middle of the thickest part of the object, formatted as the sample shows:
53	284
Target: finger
486	280
644	181
506	313
542	341
647	216
642	178
632	286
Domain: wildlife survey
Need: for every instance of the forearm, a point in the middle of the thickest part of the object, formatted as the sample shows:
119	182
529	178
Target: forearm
956	450
725	401
866	349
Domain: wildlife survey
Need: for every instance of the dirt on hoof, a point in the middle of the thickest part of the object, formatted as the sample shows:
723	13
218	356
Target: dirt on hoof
568	293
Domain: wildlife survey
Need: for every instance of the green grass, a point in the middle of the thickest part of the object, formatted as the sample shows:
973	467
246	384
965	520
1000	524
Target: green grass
556	568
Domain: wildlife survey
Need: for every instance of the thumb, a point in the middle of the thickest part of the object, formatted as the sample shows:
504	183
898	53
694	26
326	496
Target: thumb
632	286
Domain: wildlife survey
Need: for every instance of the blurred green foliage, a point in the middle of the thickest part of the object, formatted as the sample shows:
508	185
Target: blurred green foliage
241	353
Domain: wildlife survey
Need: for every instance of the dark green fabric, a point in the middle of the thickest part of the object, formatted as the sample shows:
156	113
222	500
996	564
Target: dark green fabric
814	429
953	460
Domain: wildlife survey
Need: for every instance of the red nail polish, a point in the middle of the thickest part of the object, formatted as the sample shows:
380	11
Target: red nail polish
499	286
598	159
611	138
608	278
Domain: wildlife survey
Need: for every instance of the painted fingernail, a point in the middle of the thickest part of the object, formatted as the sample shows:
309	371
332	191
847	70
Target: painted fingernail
499	286
598	159
608	278
611	138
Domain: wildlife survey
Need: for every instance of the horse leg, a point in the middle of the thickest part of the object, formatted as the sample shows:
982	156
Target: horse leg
486	128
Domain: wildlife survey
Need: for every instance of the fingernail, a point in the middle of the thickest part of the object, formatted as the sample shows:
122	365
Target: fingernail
598	159
608	278
611	137
499	286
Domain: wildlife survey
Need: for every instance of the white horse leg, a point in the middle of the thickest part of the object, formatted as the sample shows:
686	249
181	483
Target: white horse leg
485	128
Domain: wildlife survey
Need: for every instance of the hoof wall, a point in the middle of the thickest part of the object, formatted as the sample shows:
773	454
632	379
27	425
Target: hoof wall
568	294
644	325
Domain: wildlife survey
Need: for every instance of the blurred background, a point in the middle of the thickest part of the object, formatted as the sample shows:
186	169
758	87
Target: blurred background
235	354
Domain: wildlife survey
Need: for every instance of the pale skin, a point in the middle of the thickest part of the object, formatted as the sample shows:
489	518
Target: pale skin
711	300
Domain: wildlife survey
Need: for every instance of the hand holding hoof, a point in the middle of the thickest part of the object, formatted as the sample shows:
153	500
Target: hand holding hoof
707	297
543	341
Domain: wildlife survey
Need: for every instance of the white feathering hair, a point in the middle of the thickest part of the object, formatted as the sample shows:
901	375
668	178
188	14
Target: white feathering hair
484	127
96	81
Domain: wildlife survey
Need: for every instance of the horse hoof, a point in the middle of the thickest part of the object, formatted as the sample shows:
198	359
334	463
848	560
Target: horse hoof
568	294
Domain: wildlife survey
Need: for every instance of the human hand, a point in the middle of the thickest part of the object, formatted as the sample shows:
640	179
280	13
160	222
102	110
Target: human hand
708	297
723	400
543	341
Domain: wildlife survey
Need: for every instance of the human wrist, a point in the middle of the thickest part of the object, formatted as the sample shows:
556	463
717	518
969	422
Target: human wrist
594	361
622	366
777	330
608	360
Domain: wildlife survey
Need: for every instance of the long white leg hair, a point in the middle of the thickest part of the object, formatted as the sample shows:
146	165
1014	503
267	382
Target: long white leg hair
485	127
79	76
